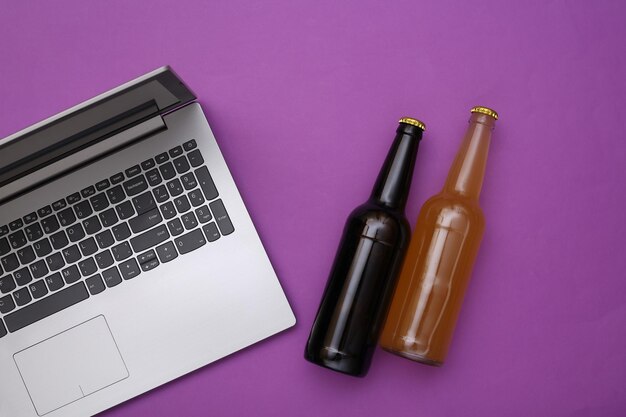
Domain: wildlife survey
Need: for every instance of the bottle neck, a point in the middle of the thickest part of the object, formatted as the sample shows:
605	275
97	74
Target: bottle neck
466	174
394	180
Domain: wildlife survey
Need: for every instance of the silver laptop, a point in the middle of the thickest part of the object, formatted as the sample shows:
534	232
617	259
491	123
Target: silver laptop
127	256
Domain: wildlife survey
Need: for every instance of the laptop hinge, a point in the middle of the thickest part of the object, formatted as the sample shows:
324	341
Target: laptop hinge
81	158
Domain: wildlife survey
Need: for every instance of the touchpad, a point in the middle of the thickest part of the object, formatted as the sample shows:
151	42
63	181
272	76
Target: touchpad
71	365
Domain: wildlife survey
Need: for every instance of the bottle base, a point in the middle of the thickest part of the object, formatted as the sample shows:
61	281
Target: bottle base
414	357
338	362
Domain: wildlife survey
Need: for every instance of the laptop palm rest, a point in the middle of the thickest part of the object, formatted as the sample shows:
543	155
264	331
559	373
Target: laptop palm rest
71	365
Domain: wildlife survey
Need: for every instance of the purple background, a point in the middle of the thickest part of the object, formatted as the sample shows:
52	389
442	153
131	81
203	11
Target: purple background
304	102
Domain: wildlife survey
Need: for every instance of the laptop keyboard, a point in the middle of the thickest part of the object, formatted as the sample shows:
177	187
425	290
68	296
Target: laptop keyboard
114	230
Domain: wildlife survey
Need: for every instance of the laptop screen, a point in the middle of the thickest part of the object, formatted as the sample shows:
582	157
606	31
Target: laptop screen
90	122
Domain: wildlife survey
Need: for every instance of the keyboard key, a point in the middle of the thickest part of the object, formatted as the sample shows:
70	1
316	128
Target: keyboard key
42	247
4	246
116	194
88	246
129	269
4	230
144	203
135	185
168	210
189	220
3	329
175	187
105	239
150	265
146	257
17	239
206	183
145	221
29	218
83	209
75	232
147	164
56	302
26	255
181	164
195	158
95	284
182	204
71	274
10	262
121	232
108	217
22	276
104	259
189	145
196	198
125	210
117	178
66	217
88	192
6	304
153	177
59	240
221	217
87	267
59	204
38	289
55	261
111	277
166	252
211	232
102	185
132	171
72	254
92	225
160	194
190	241
16	224
150	238
39	269
50	224
167	171
99	202
73	198
22	297
176	151
33	232
44	211
121	251
189	181
55	281
162	157
204	214
7	284
175	227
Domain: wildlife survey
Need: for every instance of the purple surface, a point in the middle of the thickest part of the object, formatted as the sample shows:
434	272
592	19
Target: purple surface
304	102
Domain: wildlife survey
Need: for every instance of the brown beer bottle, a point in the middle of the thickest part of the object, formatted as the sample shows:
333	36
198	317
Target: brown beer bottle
438	264
375	238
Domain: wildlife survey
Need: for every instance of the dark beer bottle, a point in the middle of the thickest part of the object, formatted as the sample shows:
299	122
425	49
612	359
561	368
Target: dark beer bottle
363	275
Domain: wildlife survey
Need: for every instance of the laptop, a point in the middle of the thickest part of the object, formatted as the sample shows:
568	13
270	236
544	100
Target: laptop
127	256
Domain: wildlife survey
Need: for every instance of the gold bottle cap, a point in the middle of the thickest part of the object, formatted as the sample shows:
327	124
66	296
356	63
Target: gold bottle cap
485	110
413	122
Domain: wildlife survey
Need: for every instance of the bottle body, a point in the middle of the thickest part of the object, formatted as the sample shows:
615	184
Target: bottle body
430	289
348	322
436	271
364	272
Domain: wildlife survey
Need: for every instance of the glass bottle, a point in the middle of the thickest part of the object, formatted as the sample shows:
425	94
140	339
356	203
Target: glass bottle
439	261
375	238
